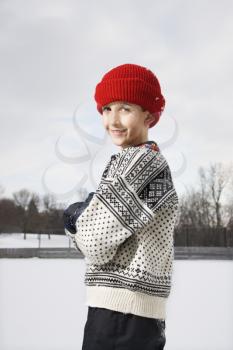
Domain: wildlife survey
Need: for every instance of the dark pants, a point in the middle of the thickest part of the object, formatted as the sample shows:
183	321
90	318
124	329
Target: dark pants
112	330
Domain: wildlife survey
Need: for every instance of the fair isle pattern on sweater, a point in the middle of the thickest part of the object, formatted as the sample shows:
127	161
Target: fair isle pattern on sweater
126	232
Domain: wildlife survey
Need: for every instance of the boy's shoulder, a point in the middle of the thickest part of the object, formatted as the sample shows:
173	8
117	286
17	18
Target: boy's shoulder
149	152
134	157
133	153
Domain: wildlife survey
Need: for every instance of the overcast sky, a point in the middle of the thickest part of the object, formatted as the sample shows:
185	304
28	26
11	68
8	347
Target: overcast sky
52	55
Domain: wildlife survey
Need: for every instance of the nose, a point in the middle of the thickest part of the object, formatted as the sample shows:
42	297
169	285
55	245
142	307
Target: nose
114	113
114	117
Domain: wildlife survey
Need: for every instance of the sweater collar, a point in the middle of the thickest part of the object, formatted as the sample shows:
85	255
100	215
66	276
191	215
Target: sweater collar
148	144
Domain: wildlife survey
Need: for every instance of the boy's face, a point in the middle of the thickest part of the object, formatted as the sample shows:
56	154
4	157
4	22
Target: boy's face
126	123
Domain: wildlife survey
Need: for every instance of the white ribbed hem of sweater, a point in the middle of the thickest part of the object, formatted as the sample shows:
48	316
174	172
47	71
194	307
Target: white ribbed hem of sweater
126	301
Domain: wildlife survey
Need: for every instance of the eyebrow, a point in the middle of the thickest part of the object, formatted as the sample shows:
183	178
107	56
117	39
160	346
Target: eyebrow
120	104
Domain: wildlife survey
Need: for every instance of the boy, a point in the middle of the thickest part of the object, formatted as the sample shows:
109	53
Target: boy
125	228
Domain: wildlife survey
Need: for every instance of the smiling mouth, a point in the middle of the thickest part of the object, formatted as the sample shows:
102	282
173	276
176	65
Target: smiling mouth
118	130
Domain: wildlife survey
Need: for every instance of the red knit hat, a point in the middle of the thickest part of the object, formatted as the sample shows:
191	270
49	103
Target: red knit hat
134	84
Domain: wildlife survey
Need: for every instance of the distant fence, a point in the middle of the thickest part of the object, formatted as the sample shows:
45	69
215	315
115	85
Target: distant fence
189	243
183	237
206	237
53	253
181	253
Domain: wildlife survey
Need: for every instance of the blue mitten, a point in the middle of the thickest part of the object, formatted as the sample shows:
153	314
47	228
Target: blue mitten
72	213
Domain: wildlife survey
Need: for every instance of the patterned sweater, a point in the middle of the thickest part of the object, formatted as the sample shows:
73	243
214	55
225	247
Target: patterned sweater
126	233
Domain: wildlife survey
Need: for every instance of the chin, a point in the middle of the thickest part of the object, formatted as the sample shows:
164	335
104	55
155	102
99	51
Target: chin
118	142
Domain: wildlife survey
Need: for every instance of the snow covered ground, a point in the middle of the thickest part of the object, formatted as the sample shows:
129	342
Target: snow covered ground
16	240
42	305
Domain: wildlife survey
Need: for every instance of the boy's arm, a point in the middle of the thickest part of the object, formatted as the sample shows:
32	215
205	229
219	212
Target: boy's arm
125	205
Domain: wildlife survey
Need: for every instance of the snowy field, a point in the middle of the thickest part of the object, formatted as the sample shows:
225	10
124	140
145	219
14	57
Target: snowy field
16	240
42	305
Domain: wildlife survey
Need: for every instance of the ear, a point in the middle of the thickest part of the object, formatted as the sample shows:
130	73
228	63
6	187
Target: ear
149	118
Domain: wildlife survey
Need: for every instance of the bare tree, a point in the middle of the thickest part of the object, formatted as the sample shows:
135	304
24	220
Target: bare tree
194	209
22	198
25	199
33	215
228	213
205	206
214	182
49	201
10	216
2	190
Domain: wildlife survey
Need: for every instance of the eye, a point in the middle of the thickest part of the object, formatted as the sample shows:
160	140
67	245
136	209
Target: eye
105	108
125	108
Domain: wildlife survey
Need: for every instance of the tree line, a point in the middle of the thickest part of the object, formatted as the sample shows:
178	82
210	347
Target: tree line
206	211
23	213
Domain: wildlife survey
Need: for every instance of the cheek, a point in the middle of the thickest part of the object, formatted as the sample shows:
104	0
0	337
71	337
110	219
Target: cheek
133	122
104	121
